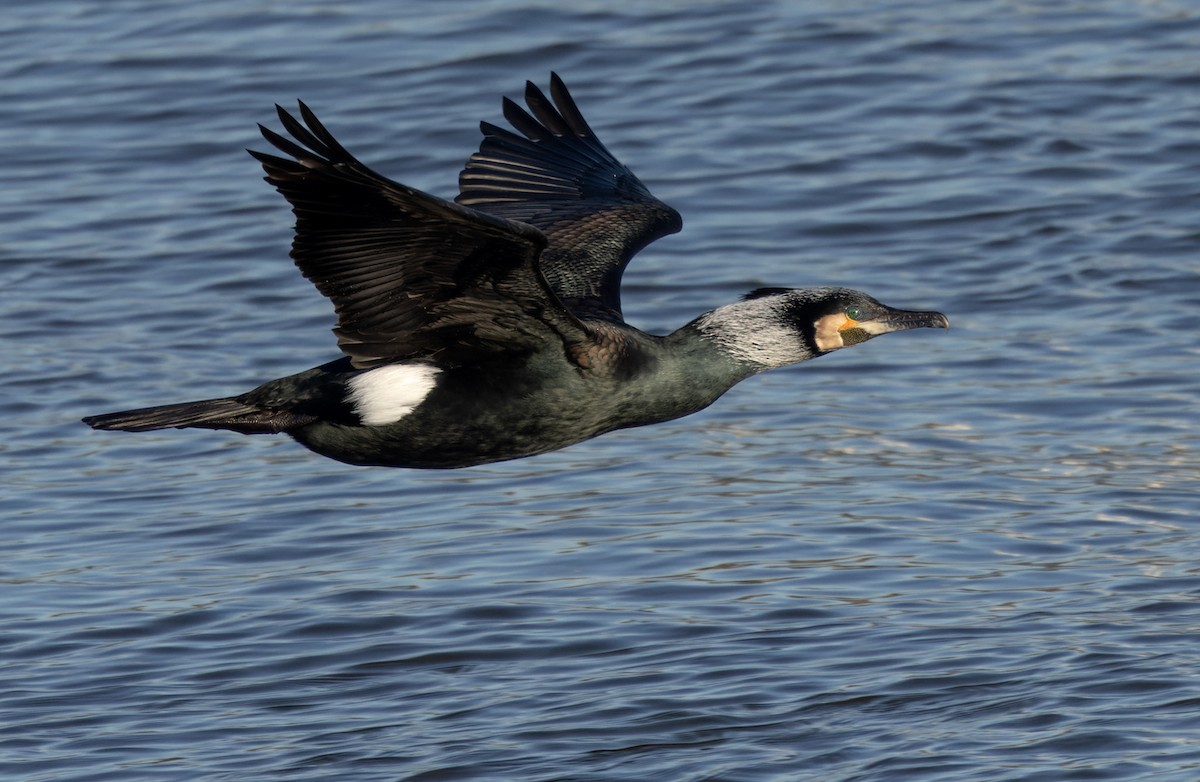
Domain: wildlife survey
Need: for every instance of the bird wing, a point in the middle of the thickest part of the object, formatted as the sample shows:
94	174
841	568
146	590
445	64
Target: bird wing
411	275
558	177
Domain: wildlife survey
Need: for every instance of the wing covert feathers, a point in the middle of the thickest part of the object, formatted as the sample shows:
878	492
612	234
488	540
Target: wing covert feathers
410	275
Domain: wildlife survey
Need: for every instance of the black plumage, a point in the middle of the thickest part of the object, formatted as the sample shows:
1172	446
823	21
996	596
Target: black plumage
410	275
490	327
559	178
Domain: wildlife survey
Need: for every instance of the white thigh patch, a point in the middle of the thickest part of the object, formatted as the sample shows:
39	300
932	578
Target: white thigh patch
386	394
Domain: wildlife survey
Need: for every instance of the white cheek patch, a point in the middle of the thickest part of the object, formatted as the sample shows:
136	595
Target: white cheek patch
386	394
826	334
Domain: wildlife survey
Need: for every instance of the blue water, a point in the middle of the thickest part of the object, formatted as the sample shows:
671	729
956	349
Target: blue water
939	556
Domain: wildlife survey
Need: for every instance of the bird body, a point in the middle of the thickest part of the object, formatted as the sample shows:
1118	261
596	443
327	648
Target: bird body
490	328
414	415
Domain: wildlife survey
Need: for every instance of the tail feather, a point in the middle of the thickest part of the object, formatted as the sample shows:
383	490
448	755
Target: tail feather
226	413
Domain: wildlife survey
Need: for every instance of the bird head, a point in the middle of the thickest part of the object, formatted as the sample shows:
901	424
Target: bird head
835	318
773	327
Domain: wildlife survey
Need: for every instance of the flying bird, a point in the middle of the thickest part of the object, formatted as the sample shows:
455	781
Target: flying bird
490	327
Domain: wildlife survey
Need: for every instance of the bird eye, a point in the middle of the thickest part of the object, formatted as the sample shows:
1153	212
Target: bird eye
853	313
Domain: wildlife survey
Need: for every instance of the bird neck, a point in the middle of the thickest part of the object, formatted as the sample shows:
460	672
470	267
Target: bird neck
683	372
753	333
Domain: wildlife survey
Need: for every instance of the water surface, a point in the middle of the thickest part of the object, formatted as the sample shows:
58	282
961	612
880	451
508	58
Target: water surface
962	556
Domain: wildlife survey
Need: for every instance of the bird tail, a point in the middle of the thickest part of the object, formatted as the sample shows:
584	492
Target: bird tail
228	413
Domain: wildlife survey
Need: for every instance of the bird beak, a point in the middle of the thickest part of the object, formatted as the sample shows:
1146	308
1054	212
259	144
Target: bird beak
899	320
841	331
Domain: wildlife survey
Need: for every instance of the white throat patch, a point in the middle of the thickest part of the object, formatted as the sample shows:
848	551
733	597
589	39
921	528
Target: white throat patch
827	332
386	394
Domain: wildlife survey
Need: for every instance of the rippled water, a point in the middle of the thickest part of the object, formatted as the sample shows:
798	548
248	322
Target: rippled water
938	556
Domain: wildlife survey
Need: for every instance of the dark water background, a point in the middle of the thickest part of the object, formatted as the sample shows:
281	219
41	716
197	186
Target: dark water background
962	556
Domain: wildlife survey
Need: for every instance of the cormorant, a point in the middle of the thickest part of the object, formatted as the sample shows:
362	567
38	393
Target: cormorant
490	327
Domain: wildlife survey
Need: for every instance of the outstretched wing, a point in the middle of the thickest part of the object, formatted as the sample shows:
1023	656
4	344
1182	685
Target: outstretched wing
410	275
595	213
